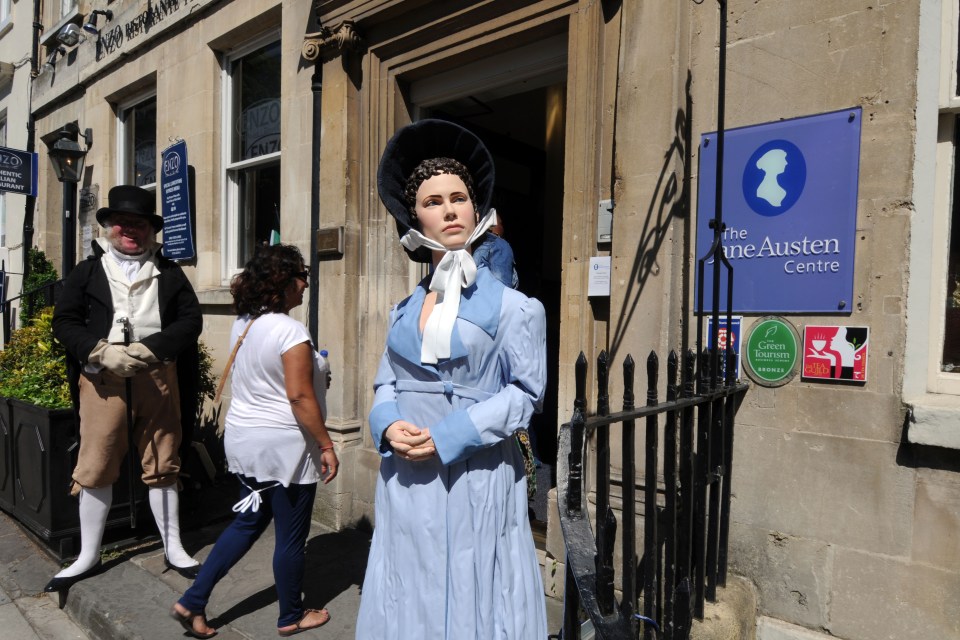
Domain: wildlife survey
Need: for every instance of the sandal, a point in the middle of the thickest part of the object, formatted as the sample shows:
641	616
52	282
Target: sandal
297	628
186	621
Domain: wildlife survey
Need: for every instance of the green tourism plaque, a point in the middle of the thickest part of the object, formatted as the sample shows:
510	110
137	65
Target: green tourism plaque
771	352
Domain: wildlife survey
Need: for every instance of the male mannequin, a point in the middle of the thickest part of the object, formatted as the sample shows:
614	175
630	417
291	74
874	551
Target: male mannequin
127	278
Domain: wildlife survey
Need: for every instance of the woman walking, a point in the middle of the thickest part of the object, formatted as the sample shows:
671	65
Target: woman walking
275	439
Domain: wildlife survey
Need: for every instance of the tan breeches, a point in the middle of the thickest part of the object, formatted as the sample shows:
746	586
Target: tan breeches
155	401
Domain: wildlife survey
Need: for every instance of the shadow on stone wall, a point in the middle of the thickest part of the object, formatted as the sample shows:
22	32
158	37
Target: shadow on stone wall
670	201
920	456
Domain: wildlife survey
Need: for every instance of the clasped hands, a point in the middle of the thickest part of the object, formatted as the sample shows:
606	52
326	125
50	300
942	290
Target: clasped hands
409	441
122	360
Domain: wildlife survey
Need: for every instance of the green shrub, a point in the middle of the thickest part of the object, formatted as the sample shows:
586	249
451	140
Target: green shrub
33	366
41	273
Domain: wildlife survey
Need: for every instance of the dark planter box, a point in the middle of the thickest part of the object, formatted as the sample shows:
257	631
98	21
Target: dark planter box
42	449
6	456
42	464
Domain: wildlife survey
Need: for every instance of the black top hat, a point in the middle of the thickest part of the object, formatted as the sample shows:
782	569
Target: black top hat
421	141
133	200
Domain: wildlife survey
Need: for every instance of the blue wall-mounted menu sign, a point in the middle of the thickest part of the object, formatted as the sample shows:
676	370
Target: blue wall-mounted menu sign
18	171
790	212
175	203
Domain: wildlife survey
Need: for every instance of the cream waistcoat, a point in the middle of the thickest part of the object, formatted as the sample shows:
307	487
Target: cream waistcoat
135	299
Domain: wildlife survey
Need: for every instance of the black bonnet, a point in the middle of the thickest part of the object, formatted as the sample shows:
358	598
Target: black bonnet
420	141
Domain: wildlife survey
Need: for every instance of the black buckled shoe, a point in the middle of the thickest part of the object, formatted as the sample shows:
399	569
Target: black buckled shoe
190	573
62	585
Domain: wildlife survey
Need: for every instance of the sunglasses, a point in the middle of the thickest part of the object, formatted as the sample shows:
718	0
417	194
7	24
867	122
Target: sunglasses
303	275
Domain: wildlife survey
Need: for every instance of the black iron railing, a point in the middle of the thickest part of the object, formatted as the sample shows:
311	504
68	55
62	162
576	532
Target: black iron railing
685	509
30	303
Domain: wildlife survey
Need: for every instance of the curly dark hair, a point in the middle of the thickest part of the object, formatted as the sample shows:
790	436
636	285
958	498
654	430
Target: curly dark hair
434	167
260	288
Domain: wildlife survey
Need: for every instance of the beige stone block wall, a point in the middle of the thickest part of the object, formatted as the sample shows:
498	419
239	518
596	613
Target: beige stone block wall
843	491
886	598
836	525
774	629
367	464
643	266
937	520
847	593
651	174
831	410
792	574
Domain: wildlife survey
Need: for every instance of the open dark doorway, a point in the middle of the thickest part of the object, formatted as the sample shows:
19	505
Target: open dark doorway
524	131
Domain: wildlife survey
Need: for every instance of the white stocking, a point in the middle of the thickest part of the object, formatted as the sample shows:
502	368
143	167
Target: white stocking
94	507
165	504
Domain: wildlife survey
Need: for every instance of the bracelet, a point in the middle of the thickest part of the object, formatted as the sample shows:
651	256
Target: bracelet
330	448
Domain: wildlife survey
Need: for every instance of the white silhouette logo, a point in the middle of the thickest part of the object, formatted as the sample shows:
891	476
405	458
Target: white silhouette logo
773	163
774	177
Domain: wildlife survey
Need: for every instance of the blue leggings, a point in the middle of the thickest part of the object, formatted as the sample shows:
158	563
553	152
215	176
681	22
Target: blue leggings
290	508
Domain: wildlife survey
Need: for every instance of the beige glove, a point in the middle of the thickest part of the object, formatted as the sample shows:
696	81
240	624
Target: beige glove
115	359
94	357
139	351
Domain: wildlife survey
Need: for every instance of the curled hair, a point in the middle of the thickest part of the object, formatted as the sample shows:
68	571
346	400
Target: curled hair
434	167
262	285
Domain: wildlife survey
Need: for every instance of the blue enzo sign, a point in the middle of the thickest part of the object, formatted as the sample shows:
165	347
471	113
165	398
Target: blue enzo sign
175	203
18	171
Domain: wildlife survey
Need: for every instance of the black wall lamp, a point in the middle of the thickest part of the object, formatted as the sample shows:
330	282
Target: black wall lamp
51	62
90	26
67	158
65	152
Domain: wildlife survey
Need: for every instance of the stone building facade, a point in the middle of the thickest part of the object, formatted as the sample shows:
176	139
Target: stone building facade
847	497
16	34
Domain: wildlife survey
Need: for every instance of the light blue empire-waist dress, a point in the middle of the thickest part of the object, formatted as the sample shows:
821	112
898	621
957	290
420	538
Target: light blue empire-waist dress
452	555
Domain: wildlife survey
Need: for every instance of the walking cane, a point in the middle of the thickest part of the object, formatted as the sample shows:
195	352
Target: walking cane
131	446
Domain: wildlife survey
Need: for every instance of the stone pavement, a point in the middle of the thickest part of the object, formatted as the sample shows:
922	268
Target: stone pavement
25	613
131	598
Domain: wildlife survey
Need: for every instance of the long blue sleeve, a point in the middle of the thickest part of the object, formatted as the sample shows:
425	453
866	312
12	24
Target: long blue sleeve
523	358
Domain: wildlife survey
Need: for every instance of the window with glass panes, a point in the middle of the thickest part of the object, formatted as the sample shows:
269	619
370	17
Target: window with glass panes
138	137
252	120
950	360
945	287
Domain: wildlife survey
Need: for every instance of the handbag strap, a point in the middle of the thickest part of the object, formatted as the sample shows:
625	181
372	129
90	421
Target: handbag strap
233	354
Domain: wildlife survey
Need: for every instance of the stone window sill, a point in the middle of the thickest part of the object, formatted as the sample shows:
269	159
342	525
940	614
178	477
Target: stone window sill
215	296
934	420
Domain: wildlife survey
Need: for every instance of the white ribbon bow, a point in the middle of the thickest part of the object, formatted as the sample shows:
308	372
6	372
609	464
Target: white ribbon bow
455	270
253	500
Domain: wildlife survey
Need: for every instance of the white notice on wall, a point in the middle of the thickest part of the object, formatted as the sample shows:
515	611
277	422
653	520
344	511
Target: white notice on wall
599	276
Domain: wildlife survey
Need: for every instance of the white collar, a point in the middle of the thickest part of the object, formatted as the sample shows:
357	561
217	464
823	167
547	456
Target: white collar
455	270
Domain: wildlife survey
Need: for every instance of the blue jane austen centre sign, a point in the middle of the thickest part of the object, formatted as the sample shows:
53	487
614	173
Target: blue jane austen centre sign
790	212
175	203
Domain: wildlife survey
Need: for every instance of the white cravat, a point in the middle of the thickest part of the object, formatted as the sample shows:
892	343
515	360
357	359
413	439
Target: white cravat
129	264
455	271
